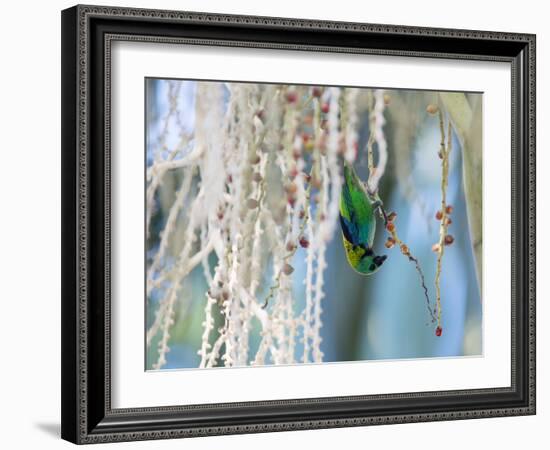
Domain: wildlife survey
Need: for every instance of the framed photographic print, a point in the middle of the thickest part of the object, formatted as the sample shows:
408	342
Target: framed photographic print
280	224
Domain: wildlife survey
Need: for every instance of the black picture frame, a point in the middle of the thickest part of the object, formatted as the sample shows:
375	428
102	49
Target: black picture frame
87	33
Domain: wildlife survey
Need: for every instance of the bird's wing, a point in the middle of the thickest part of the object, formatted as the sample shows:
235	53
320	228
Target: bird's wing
356	210
349	229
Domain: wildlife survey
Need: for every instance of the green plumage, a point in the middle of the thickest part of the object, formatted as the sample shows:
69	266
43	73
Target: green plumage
358	222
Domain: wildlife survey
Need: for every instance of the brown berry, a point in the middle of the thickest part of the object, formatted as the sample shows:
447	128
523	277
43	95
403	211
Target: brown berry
291	188
449	239
252	203
316	91
404	249
439	215
390	242
432	109
287	269
438	331
449	209
304	242
448	221
390	227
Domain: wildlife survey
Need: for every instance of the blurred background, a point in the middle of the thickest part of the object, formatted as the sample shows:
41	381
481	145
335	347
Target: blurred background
382	316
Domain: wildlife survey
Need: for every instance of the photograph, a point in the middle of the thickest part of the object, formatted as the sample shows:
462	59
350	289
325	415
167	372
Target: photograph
297	224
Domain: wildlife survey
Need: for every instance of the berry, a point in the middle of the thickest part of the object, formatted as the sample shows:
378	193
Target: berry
304	242
432	109
439	215
316	91
438	331
449	209
287	269
392	216
390	227
291	188
390	243
290	246
449	239
291	97
448	221
325	107
404	249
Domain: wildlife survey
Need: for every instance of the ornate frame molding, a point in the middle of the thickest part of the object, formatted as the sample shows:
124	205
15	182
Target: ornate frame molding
87	38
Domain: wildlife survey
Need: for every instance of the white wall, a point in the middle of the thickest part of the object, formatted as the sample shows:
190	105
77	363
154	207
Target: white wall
30	222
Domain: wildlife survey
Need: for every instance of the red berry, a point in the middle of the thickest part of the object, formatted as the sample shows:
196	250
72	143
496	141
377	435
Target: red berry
304	242
449	209
449	239
291	97
390	227
439	215
438	331
325	107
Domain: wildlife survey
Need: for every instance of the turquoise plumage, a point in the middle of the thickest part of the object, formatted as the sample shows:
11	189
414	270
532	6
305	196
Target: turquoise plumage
358	222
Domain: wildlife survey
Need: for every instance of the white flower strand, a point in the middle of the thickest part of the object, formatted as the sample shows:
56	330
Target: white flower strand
248	155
